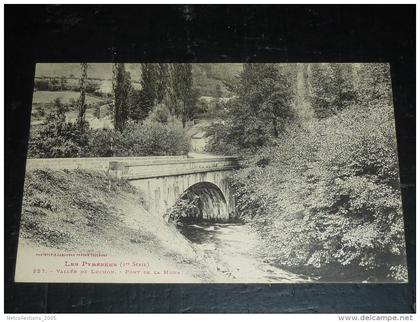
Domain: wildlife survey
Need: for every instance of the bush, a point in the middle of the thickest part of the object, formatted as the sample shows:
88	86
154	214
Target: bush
103	143
139	139
97	110
58	139
160	113
186	209
51	84
92	87
42	84
220	139
327	198
332	88
59	107
41	111
155	138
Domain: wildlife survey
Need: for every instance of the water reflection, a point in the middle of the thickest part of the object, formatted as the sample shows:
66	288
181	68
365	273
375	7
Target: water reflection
203	232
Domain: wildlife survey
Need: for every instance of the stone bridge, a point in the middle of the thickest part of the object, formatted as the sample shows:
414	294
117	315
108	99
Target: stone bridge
163	180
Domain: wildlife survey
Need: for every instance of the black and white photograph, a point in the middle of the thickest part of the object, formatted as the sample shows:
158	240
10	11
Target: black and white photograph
212	173
255	159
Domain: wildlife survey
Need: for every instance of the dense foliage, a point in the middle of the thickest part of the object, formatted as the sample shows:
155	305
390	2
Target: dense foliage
58	138
261	109
332	88
62	84
171	85
326	197
82	99
140	139
145	120
329	195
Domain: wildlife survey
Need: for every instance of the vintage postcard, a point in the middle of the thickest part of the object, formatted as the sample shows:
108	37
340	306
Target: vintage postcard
212	173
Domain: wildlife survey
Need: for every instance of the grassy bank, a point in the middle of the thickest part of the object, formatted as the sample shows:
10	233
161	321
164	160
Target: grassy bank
85	211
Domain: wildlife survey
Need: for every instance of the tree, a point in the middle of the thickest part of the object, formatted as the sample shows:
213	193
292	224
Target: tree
184	93
170	84
170	98
138	110
63	83
277	108
121	88
155	82
81	103
149	84
156	87
163	82
97	111
218	92
299	74
58	138
263	106
59	107
342	74
373	82
160	114
332	88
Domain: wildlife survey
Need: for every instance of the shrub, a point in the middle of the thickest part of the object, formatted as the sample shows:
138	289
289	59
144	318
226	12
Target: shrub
160	113
96	110
104	143
154	138
59	107
327	198
41	111
42	84
186	209
72	102
139	139
58	139
220	139
92	87
332	88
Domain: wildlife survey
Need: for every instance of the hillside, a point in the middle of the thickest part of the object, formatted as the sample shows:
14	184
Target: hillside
85	211
206	75
95	70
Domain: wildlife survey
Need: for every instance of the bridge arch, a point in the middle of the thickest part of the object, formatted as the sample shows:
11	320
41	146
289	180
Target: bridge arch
163	179
202	201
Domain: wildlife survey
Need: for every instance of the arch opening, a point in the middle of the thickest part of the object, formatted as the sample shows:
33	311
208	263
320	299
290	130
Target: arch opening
201	202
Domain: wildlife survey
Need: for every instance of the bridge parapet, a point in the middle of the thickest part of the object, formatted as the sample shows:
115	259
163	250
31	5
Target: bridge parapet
139	169
132	168
99	164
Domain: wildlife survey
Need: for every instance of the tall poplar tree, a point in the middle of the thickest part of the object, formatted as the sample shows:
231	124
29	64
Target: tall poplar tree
184	92
155	82
82	99
121	87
